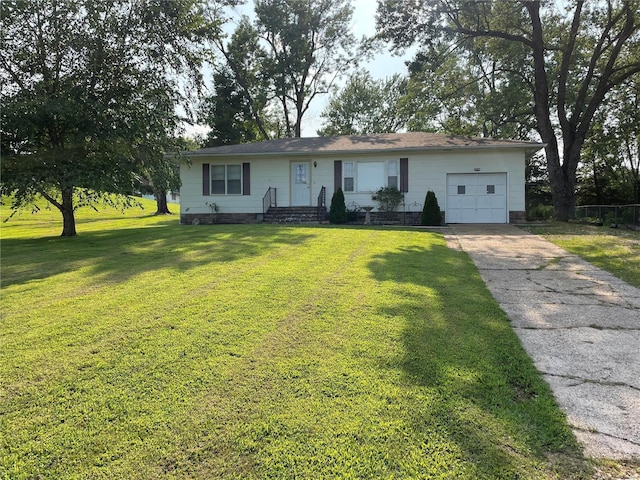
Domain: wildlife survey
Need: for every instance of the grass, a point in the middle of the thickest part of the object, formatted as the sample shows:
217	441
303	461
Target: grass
146	349
614	250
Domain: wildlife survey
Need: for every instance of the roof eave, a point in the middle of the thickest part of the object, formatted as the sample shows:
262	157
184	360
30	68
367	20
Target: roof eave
530	149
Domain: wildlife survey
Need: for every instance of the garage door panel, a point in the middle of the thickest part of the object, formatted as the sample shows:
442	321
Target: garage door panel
484	199
498	201
468	201
498	216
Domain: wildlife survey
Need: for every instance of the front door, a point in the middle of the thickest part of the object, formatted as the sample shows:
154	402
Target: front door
300	184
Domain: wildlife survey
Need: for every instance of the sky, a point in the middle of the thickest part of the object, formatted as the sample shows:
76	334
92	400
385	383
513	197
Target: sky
381	66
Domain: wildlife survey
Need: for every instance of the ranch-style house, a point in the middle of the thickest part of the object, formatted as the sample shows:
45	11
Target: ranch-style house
476	180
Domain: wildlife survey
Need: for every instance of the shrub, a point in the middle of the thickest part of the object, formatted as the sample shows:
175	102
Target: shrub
541	212
431	214
338	210
389	199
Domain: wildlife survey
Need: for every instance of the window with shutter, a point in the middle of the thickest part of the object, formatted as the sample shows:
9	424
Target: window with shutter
226	179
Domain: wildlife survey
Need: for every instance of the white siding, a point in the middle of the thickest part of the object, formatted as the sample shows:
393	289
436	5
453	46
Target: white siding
427	171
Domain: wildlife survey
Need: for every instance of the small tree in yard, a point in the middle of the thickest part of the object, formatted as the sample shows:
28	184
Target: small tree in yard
431	211
338	211
90	94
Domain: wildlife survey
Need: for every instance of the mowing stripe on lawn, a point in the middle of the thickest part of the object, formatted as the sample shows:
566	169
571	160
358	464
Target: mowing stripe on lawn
265	352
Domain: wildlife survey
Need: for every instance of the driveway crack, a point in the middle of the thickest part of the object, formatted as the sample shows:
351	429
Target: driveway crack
576	327
609	435
582	381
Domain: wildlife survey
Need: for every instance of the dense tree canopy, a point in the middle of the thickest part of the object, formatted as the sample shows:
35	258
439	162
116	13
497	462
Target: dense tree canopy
570	58
366	106
237	110
89	95
610	170
279	62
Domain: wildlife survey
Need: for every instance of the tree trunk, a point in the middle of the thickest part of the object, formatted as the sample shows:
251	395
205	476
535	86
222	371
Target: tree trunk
562	172
161	202
68	215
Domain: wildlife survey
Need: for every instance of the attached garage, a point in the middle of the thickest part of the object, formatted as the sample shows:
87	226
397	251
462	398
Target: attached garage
477	198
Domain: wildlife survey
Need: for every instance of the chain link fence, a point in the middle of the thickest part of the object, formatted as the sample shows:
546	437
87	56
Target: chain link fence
609	214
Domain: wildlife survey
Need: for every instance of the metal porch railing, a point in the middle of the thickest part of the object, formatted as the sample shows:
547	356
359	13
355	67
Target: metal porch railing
322	204
269	200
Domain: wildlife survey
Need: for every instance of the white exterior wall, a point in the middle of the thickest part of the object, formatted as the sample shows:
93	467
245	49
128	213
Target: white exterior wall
265	173
427	171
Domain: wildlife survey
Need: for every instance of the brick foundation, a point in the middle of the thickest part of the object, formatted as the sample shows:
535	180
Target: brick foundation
212	218
517	216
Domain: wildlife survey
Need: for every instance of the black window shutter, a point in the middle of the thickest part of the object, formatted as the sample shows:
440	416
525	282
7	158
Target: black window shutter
404	175
337	175
206	184
246	179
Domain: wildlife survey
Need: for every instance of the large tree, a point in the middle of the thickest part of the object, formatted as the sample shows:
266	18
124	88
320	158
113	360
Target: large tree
467	92
237	109
579	52
611	164
290	52
89	88
366	106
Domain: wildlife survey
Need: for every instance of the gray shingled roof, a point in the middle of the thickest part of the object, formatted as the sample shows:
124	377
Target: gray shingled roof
364	144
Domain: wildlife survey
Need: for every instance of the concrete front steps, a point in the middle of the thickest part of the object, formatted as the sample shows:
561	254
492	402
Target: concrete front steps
292	215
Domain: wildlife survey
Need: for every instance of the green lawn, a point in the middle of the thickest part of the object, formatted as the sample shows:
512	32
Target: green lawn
146	349
614	250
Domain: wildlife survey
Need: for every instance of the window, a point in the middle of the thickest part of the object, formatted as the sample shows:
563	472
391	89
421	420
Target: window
234	179
370	176
226	179
392	174
491	189
349	176
461	189
218	179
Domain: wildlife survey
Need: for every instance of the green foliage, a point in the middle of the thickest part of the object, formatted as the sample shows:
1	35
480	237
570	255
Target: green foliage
389	199
291	52
237	111
366	106
208	353
466	93
609	172
338	209
537	64
229	114
431	214
94	107
540	212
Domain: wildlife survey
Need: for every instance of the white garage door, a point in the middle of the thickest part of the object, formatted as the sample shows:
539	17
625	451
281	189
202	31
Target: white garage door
476	198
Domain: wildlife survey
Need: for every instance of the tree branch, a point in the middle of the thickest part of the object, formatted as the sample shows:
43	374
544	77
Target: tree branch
564	67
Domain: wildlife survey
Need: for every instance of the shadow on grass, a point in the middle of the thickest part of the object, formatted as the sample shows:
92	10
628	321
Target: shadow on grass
116	255
459	345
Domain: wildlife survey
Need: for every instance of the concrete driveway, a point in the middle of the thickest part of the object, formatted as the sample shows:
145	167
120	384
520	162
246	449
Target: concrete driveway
579	324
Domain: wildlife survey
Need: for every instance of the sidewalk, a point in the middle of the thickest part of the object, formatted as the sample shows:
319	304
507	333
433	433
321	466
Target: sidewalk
579	324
